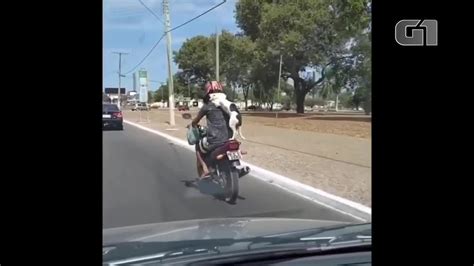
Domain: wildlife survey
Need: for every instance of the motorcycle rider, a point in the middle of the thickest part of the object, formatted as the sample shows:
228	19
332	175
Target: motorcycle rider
218	130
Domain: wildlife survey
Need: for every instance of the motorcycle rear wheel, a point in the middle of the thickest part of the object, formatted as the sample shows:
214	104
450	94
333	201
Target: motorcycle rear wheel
228	180
231	185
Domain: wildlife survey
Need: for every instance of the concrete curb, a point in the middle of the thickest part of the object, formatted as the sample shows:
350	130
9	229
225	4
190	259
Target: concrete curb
342	205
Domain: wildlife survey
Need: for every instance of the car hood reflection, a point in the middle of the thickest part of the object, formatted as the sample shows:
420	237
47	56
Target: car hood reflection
234	228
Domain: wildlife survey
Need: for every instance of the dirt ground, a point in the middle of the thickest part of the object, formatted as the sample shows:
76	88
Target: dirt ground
316	123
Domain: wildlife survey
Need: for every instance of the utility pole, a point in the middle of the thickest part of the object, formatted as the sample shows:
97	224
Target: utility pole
166	12
134	81
279	77
279	81
161	89
120	76
217	55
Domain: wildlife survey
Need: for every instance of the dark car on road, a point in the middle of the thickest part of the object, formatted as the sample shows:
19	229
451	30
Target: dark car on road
183	108
111	116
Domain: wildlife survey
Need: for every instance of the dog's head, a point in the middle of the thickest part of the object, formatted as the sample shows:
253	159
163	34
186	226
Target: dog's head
217	96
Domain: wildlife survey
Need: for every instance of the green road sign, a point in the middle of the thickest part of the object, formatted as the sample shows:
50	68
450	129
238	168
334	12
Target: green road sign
142	73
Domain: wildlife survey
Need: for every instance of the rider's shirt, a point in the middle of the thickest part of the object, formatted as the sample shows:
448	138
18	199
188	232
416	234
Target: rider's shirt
218	130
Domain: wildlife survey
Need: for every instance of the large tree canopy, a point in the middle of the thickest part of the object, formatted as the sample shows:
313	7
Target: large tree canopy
329	36
196	59
308	33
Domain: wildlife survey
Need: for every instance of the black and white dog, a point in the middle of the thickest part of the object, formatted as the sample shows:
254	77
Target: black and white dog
235	121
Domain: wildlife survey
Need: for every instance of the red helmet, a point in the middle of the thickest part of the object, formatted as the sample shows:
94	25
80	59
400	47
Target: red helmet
213	86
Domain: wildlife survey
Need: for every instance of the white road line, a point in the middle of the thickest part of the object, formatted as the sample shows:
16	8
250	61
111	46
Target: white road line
333	202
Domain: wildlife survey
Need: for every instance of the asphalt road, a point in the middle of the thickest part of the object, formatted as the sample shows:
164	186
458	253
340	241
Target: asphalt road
144	182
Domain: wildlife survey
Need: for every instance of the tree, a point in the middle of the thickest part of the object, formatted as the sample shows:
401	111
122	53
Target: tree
264	74
248	14
346	100
362	97
196	59
309	33
363	73
239	66
150	97
179	89
161	94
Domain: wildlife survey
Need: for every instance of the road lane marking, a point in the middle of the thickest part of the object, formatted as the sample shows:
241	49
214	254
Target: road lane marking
333	202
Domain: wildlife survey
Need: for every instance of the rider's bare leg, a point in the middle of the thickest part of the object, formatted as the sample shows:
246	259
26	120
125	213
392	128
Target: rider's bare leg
199	167
204	170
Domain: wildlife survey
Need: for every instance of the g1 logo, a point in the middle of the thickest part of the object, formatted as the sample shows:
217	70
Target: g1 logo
416	32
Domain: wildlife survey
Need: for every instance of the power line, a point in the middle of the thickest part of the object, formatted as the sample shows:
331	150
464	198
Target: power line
179	26
151	11
153	48
198	16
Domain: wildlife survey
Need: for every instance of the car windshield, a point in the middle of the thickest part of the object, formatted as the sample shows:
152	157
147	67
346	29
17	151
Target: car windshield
110	108
253	114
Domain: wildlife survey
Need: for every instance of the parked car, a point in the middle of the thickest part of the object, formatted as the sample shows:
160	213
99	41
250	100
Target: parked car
155	105
111	116
141	107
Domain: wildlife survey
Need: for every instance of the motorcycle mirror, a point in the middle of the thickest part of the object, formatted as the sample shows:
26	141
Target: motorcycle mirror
186	116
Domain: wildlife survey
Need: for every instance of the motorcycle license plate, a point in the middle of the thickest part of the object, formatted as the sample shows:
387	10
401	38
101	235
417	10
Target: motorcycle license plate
234	155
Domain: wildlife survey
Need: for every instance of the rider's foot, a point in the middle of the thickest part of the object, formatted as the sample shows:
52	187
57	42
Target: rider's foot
205	176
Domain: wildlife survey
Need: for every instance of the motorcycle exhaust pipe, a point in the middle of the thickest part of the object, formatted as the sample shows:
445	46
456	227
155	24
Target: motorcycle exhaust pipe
244	171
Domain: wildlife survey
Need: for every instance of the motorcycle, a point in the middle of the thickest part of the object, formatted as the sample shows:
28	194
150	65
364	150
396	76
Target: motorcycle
224	166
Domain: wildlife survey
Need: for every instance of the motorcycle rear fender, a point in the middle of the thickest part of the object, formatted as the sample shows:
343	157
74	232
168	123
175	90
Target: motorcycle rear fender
220	150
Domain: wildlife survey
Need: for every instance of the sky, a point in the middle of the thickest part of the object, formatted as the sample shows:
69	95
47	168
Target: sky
129	27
